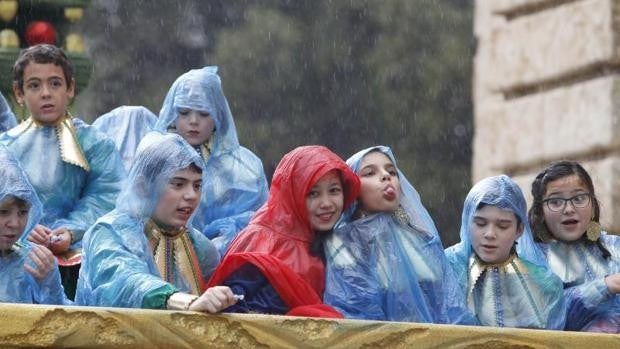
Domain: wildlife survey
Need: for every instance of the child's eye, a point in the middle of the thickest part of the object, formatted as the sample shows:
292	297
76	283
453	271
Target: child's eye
313	194
4	212
197	186
32	85
56	83
368	173
23	213
204	114
393	173
335	190
183	111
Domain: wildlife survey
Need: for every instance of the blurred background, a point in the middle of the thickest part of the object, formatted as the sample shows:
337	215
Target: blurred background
345	74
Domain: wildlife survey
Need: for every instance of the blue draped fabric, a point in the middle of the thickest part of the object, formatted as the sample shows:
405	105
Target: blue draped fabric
16	284
126	125
72	197
521	293
7	118
118	268
386	267
234	184
582	268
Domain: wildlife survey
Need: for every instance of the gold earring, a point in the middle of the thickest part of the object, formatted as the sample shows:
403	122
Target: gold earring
593	232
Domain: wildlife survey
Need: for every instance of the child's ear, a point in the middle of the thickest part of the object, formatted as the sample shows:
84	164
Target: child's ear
19	94
520	230
71	88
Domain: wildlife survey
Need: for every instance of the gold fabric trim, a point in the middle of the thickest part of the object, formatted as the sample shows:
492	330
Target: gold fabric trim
70	149
173	251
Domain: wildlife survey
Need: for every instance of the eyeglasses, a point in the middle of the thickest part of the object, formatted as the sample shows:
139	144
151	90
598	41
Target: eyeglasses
558	204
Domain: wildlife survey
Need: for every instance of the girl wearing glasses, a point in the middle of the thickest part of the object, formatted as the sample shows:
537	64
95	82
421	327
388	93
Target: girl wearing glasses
565	219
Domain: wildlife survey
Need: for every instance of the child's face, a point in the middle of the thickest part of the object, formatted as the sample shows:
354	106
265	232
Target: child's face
380	186
324	202
45	92
13	220
179	199
195	126
570	222
494	232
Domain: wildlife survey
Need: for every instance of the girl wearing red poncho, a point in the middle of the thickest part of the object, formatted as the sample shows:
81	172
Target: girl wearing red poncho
277	261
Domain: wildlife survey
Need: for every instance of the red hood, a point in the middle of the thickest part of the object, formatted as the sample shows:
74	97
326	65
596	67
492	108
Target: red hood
281	227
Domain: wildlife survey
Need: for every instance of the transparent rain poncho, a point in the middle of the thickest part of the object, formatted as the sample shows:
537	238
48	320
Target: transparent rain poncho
7	118
126	125
118	267
234	184
391	266
522	292
73	196
16	284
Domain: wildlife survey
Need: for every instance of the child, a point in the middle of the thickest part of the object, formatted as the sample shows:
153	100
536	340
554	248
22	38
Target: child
28	272
126	126
387	261
565	215
144	254
276	262
507	284
7	118
75	170
234	184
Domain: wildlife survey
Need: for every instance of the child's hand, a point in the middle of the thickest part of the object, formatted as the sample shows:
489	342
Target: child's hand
40	235
60	240
214	299
613	283
43	259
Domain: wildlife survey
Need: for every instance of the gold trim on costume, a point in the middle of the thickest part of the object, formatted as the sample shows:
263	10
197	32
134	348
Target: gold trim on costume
173	252
70	149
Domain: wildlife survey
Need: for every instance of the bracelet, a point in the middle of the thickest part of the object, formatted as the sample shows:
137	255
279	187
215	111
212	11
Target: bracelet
180	301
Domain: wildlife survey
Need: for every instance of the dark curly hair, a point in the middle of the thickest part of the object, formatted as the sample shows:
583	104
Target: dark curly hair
554	171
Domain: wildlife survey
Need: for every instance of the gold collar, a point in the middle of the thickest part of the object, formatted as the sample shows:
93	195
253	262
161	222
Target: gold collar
174	253
70	149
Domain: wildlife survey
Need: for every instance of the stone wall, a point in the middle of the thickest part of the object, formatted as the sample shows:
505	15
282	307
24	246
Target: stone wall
547	87
32	326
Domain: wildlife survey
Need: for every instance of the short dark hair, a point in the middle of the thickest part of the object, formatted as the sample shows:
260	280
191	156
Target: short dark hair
17	201
41	54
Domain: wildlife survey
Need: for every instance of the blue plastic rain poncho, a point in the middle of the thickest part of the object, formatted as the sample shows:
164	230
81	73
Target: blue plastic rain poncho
7	118
521	292
582	268
129	261
126	125
16	284
234	184
391	266
74	168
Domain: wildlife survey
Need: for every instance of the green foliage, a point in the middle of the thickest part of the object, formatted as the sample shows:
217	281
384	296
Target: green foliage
346	74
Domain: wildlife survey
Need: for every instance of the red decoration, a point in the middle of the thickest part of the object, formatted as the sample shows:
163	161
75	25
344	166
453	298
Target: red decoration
40	32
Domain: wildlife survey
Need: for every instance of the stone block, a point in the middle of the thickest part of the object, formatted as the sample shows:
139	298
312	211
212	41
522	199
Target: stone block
543	47
568	122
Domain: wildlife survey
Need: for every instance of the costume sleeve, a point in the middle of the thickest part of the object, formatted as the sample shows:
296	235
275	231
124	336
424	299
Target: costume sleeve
206	252
116	269
157	298
583	302
7	118
49	290
102	185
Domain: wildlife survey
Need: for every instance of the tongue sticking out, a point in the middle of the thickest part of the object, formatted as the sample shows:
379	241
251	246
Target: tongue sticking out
389	193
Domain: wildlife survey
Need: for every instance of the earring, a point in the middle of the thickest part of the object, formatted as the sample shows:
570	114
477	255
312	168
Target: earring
593	232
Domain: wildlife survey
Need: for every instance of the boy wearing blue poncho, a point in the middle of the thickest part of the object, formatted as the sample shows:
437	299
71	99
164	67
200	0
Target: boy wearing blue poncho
28	273
387	261
126	125
144	253
234	184
75	169
505	275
